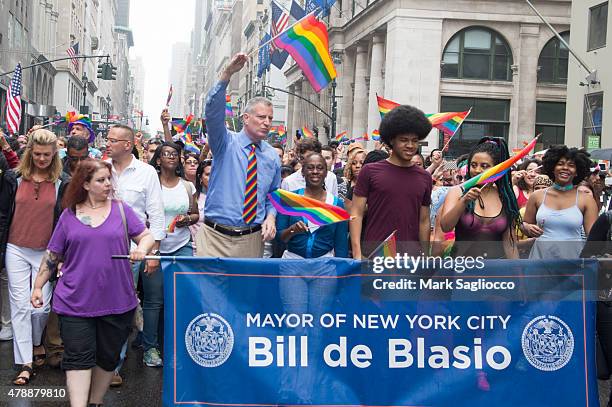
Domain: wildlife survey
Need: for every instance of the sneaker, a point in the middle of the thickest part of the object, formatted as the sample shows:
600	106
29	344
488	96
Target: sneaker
6	333
152	358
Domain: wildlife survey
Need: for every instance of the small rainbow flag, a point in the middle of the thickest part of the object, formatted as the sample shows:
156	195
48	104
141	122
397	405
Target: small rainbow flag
375	135
385	105
307	42
341	137
172	225
306	132
229	112
388	248
319	213
449	122
181	125
187	141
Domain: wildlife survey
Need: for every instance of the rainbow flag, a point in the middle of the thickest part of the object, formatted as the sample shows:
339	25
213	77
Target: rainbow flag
307	42
385	105
375	135
306	132
181	125
319	213
341	137
229	112
496	172
388	248
449	122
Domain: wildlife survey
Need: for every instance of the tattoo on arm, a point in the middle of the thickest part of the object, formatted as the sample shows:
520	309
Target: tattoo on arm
50	262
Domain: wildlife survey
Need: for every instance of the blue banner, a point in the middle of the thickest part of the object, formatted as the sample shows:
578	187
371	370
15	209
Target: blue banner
332	332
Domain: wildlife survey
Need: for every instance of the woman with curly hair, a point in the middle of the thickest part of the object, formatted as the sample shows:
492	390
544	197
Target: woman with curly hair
557	215
489	214
351	172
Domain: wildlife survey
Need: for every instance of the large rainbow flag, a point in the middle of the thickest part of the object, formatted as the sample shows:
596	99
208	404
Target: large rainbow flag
319	213
307	42
385	105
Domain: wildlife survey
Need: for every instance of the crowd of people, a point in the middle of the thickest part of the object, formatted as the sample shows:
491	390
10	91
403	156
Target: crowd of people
66	207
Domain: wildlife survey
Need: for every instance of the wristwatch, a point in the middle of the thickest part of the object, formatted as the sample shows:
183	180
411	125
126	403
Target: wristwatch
155	253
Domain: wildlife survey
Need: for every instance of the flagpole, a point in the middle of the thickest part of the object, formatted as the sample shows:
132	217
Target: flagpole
281	33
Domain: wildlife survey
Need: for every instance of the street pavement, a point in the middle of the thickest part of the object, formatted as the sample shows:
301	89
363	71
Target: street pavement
142	385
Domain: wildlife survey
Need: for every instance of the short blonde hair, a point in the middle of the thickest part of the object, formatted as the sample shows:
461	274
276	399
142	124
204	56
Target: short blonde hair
41	137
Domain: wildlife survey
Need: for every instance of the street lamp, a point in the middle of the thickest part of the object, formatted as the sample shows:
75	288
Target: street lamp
84	109
108	102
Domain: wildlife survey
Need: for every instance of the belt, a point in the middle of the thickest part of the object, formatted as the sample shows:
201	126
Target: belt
230	230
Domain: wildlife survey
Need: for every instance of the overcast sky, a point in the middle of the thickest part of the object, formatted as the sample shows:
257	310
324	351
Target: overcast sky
157	25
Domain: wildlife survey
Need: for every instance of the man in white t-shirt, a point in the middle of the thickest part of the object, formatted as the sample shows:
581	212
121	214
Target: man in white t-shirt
296	180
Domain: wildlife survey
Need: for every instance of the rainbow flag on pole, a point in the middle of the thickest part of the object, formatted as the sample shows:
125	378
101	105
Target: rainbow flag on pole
341	137
307	42
388	248
319	213
181	125
449	122
306	133
375	135
229	112
385	105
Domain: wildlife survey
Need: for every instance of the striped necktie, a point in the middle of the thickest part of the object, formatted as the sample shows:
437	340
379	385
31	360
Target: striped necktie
249	210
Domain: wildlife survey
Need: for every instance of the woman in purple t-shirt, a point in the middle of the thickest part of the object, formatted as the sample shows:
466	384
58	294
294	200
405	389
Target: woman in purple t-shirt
94	297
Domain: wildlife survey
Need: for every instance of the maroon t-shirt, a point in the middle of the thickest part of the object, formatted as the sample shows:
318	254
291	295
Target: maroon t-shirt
394	196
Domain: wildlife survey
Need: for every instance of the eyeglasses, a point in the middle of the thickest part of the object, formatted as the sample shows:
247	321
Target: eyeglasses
166	154
115	140
191	162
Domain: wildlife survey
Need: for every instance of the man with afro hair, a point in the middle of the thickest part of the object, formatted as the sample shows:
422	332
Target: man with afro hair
397	192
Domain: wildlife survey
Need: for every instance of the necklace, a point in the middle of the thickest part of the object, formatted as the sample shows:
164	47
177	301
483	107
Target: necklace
92	207
563	188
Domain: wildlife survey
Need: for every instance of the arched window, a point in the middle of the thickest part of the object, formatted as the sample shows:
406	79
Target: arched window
477	53
552	64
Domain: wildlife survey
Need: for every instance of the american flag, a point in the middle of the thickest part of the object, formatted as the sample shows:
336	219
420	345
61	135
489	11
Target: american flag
280	19
13	103
73	51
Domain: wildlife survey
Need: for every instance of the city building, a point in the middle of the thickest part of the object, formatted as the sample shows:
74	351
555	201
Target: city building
589	95
178	78
495	57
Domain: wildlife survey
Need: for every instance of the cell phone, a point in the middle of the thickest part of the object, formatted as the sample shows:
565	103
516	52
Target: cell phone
602	166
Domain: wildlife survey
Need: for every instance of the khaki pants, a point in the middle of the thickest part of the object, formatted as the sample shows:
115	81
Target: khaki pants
211	243
53	340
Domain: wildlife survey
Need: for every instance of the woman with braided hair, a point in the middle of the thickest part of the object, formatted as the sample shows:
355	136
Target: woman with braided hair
488	214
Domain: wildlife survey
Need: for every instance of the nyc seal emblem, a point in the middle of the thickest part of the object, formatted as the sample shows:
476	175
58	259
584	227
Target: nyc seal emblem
548	343
209	340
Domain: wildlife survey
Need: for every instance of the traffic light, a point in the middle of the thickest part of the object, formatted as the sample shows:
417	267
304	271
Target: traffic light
113	72
101	71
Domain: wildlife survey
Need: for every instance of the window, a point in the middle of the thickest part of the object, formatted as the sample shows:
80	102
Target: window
550	122
598	25
593	113
552	65
489	117
477	53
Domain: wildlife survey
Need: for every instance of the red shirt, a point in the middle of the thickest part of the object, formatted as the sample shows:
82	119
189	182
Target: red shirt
32	223
394	196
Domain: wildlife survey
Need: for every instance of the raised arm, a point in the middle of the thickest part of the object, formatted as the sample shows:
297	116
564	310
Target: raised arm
215	105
